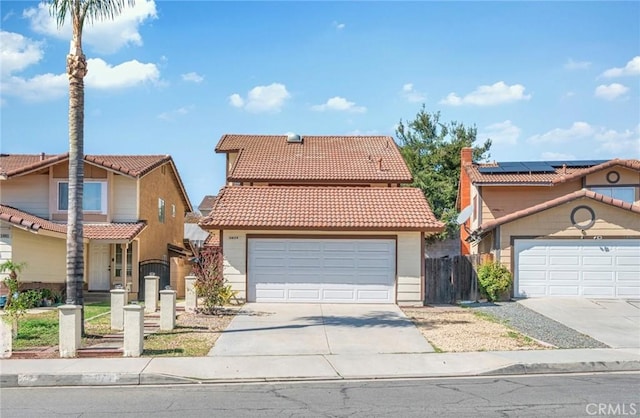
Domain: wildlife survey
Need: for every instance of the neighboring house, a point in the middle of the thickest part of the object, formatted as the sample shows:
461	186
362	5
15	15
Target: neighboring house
194	235
321	219
134	207
563	228
206	205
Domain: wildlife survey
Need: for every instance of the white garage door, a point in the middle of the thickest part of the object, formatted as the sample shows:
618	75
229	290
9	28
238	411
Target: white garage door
321	270
589	268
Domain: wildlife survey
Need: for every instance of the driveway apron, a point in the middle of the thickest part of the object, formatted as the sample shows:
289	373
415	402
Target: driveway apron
265	329
615	322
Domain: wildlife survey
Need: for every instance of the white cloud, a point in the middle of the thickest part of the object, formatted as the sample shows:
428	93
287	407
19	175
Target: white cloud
625	144
101	75
18	52
610	92
269	98
193	77
503	133
339	26
106	36
576	65
340	104
173	114
36	89
632	68
576	131
411	94
555	156
236	100
494	94
358	132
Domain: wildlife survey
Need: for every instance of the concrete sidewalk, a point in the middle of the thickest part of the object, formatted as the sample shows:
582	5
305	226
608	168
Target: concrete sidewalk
222	369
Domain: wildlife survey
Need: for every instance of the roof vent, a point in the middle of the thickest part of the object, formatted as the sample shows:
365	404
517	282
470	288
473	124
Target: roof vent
294	138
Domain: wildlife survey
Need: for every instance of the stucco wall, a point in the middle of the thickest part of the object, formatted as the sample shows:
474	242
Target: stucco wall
160	183
123	202
610	222
498	201
409	259
6	236
45	257
29	193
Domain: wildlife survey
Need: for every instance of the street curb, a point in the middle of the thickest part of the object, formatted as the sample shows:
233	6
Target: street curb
142	379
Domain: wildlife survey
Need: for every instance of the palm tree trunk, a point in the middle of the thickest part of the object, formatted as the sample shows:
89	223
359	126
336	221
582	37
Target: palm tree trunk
76	70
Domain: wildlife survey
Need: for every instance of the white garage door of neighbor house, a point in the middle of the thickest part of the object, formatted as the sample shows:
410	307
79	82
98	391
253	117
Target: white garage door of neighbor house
603	268
321	270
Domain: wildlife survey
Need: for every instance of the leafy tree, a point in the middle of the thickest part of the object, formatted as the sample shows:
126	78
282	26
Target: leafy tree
79	12
431	149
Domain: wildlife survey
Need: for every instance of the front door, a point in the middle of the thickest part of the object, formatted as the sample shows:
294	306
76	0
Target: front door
99	274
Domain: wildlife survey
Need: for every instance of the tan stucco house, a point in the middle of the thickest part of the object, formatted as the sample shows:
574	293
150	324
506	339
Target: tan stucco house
320	219
134	207
563	228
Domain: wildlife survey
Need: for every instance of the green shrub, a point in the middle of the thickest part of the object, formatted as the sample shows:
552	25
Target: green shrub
494	280
210	284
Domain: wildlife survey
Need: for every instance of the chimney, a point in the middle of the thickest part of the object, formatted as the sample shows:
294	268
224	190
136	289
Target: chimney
42	156
466	158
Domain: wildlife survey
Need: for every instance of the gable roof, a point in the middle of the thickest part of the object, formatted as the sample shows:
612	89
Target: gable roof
136	166
111	231
207	203
578	194
322	208
559	175
316	158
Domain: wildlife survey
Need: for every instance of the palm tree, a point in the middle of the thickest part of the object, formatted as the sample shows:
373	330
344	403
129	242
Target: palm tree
79	12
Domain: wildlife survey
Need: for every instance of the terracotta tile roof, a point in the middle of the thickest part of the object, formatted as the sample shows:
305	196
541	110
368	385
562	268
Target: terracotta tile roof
192	217
322	208
317	158
578	194
559	176
213	240
16	164
112	231
130	165
207	203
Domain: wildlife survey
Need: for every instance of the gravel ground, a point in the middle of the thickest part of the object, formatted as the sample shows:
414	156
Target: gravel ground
538	326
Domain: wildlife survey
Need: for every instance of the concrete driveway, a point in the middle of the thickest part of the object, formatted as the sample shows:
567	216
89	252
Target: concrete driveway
264	329
614	322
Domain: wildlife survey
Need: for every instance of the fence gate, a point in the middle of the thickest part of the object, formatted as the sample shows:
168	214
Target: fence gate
158	267
449	279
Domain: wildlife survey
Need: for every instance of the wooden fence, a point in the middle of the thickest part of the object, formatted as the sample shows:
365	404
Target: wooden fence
450	279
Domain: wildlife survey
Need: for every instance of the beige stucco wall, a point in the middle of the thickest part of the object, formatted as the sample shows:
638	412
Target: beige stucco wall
160	183
123	199
498	201
610	222
409	259
627	177
45	257
29	193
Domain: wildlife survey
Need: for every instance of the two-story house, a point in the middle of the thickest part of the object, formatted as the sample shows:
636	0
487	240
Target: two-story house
320	219
134	207
563	228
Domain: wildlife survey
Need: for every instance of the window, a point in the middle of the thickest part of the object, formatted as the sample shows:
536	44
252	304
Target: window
118	266
94	197
626	194
173	211
161	210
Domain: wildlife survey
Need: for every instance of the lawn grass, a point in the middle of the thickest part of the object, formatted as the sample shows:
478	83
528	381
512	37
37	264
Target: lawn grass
181	342
41	329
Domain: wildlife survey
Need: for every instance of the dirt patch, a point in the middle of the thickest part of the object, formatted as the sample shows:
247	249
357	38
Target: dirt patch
455	329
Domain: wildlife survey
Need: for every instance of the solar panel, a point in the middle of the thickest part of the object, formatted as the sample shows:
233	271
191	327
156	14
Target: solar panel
490	170
576	163
514	167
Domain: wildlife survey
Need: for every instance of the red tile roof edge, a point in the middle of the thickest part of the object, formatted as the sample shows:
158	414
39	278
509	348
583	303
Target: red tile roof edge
488	226
632	164
35	223
37	165
100	160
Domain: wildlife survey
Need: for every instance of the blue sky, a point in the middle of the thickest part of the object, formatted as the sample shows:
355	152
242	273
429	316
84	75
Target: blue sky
544	80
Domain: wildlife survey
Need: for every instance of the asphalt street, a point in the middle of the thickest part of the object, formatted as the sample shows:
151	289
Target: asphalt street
567	395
